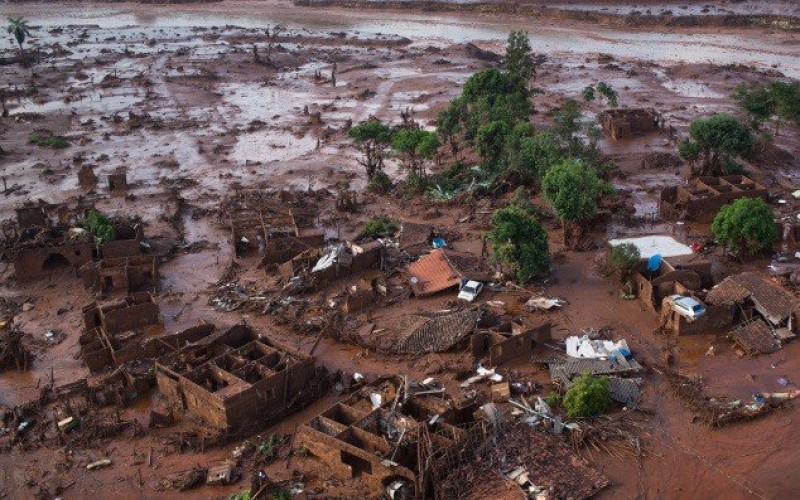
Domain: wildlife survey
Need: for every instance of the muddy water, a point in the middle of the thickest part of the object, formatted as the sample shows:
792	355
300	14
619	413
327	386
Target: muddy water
753	48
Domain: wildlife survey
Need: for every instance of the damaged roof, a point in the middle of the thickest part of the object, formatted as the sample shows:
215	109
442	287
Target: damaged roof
755	337
436	334
413	234
433	273
771	300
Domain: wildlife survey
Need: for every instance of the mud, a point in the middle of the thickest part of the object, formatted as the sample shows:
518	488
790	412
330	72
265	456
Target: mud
174	96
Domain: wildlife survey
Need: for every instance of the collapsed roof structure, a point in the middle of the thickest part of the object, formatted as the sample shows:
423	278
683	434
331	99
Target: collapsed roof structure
391	434
238	380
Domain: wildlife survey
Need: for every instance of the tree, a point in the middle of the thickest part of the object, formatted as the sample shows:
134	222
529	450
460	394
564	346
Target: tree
416	146
747	225
787	102
490	143
609	93
488	83
625	258
18	26
588	396
717	138
519	64
371	138
531	157
566	122
449	121
519	242
758	102
573	189
588	93
689	151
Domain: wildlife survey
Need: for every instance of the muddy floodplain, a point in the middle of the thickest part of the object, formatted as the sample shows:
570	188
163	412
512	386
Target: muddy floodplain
197	106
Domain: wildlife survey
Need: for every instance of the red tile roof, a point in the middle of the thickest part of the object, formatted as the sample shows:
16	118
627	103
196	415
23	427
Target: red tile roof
433	273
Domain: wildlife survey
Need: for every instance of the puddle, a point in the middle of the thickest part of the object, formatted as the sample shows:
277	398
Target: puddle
271	146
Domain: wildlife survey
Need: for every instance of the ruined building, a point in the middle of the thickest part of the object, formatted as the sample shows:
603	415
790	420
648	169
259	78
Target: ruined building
116	331
47	238
626	123
239	381
388	435
703	197
276	231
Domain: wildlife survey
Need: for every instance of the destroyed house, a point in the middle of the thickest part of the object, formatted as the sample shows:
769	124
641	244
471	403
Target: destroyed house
627	123
43	245
334	261
116	331
414	239
385	433
443	269
279	232
703	197
130	274
679	270
43	250
748	295
239	381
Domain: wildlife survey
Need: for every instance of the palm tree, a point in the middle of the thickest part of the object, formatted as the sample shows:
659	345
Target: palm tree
19	28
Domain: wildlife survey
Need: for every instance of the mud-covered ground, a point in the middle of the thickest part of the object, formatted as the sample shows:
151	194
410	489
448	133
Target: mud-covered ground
177	98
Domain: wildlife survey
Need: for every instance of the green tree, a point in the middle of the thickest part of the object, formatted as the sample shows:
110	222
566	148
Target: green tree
519	64
531	157
450	121
588	93
566	122
573	189
625	258
689	151
717	138
609	93
415	146
588	396
489	83
746	226
519	243
490	143
757	101
787	102
18	26
371	138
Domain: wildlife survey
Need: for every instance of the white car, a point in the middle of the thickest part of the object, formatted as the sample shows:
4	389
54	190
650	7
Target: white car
689	307
470	290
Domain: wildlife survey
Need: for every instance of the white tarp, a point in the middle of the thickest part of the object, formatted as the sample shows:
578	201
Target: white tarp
329	258
666	246
583	348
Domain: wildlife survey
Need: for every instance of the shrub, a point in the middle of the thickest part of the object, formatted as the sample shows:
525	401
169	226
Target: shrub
101	226
380	182
588	396
625	258
50	141
381	227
